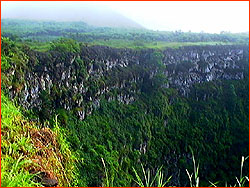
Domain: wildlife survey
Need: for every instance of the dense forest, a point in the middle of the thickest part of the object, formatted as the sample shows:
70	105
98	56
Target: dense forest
36	33
94	106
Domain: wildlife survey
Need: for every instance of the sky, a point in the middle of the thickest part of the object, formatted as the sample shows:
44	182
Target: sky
206	16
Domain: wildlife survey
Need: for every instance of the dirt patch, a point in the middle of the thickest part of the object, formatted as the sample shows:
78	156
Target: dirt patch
47	156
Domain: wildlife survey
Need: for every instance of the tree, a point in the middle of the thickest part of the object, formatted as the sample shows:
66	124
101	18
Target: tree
65	45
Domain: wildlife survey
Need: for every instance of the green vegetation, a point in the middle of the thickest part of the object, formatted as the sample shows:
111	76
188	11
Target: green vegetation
153	45
117	128
14	139
145	143
115	43
65	46
28	151
38	34
194	182
49	30
156	181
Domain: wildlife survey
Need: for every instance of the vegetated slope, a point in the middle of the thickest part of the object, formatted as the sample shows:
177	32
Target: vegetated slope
138	106
33	156
82	32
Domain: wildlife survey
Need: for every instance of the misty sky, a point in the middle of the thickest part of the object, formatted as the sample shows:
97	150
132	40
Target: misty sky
192	16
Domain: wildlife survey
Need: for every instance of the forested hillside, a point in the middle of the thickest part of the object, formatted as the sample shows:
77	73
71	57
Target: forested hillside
28	30
108	113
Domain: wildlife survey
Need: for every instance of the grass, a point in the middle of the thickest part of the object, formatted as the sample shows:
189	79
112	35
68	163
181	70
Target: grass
150	180
67	169
14	173
37	46
108	181
153	45
242	180
16	146
194	180
117	43
27	151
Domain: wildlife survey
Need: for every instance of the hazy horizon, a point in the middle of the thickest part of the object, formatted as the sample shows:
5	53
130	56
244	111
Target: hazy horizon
209	17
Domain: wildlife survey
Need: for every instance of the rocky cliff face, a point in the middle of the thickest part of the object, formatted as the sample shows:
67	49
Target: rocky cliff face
192	65
79	81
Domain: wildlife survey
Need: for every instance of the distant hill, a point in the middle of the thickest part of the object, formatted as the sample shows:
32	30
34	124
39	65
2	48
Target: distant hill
101	17
109	19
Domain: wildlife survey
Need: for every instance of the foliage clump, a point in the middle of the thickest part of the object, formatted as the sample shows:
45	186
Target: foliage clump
64	45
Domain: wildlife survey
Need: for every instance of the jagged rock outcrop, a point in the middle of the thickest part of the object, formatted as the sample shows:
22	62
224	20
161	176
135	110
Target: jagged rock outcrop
79	81
192	65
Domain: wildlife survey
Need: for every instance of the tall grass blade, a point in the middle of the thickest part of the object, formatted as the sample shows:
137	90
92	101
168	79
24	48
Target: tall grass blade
139	181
